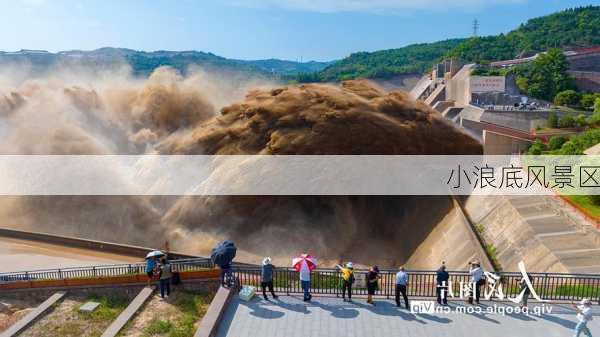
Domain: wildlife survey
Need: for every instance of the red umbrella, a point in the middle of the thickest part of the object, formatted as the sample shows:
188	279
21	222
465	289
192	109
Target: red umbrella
310	261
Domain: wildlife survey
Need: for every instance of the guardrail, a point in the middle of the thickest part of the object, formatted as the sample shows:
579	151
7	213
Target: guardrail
422	283
550	286
179	265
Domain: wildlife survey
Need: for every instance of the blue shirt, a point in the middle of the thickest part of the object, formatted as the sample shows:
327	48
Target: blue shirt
150	264
401	278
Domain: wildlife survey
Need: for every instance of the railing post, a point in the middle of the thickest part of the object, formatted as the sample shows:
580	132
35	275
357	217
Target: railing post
545	287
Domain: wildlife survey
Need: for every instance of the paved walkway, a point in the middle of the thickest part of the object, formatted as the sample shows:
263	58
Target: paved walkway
330	317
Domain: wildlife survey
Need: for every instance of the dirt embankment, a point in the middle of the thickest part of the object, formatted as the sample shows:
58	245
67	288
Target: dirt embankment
12	310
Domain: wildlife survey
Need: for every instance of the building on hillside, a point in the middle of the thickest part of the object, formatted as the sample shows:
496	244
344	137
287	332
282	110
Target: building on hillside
584	66
490	108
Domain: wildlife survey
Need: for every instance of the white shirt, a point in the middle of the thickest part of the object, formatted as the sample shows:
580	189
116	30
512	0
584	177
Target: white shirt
585	315
476	274
304	272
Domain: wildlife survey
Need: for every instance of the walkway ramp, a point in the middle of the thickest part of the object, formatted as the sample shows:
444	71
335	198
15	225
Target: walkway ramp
24	322
126	315
420	87
291	317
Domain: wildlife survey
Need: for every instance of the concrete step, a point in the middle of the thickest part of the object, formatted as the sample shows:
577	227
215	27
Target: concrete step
551	224
595	269
118	324
24	322
535	210
577	241
587	259
544	236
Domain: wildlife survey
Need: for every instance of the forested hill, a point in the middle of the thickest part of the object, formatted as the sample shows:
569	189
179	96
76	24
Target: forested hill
578	27
572	28
415	58
143	63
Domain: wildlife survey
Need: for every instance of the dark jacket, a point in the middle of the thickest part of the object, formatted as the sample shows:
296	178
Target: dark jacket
442	276
267	273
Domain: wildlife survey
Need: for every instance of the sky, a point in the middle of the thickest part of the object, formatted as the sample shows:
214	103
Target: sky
258	29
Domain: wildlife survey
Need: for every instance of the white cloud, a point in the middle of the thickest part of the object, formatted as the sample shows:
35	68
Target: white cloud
376	6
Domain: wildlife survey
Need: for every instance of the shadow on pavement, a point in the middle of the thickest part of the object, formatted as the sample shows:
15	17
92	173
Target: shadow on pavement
262	311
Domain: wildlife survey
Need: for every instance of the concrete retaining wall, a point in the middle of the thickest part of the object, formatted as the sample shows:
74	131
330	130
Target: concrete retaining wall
452	241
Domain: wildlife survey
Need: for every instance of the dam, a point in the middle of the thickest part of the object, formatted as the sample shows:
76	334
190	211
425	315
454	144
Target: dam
20	255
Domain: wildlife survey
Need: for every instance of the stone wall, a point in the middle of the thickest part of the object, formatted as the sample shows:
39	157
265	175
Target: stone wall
586	62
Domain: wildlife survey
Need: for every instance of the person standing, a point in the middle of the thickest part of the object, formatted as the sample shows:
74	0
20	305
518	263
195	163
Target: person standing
165	277
525	290
584	315
347	279
226	275
372	283
150	266
305	280
267	278
401	285
442	279
477	280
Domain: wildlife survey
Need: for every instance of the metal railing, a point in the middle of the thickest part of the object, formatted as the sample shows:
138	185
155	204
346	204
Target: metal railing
549	286
422	283
101	270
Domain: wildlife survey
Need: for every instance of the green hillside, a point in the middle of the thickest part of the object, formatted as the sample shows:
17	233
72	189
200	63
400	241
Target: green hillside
143	63
577	27
415	58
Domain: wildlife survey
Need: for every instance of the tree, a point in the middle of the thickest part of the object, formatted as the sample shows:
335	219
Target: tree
579	143
556	142
552	121
536	148
566	121
595	198
594	119
546	76
588	100
580	121
597	105
568	98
